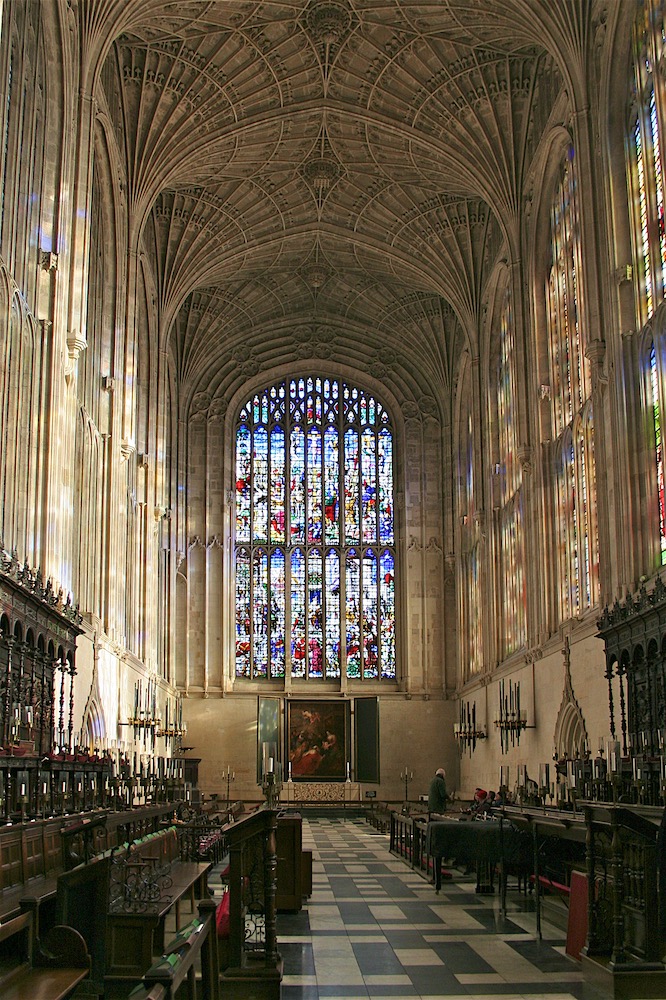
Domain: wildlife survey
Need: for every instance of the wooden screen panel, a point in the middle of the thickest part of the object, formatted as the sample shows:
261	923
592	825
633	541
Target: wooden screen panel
366	733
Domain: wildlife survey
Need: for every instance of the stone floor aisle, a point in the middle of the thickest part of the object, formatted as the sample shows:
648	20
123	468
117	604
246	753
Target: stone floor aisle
374	928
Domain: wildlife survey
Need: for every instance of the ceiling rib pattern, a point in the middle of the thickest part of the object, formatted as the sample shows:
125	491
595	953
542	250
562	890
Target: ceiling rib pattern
328	165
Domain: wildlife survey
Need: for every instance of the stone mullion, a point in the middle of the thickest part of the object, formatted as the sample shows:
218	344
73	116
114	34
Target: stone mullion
216	477
159	501
627	477
196	556
433	569
480	513
527	432
181	607
412	645
591	306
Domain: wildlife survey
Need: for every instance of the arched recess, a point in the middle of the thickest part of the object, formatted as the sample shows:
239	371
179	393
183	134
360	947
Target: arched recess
570	736
94	726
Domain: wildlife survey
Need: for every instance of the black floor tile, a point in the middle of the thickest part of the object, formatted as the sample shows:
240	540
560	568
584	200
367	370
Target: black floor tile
404	937
293	924
299	993
375	959
543	956
297	958
459	957
356	913
429	980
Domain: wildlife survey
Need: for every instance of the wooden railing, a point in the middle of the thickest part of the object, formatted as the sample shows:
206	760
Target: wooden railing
177	967
408	839
253	954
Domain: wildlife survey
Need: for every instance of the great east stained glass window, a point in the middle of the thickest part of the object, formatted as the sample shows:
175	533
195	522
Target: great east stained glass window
314	547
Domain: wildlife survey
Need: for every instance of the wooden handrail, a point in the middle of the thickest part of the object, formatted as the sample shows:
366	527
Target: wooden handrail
166	976
260	825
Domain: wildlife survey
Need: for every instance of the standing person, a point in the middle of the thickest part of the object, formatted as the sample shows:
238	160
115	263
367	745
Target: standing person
437	793
437	799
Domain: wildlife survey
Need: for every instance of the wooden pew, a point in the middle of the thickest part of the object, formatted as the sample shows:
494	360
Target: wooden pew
177	966
50	972
33	855
121	899
254	965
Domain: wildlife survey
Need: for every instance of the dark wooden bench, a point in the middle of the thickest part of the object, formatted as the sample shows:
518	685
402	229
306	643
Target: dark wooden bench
34	855
49	972
121	900
177	967
31	857
379	816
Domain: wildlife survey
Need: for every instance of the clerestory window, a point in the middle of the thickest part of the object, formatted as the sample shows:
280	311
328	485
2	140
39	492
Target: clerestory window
314	547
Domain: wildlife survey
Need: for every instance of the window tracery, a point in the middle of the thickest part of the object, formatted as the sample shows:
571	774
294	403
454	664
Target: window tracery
646	175
646	186
571	407
314	555
508	482
469	591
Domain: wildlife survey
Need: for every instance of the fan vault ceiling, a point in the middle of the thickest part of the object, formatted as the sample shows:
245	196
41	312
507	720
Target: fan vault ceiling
328	179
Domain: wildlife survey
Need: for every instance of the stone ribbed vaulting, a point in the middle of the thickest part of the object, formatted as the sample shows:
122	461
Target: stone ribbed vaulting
237	191
323	160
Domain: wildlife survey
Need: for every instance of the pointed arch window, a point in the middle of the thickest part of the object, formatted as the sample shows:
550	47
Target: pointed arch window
469	567
646	172
655	407
508	495
571	408
646	187
314	548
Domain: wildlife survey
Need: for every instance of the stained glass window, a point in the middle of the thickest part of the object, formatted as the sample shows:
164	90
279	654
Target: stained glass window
314	551
655	395
646	175
512	603
571	408
469	591
646	184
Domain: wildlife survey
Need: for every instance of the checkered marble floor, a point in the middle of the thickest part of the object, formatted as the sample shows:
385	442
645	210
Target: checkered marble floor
375	928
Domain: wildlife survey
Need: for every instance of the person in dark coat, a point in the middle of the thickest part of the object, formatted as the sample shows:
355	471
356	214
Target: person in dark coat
437	793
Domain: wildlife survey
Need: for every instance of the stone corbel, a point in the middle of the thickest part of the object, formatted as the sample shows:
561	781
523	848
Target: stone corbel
595	352
524	453
76	342
625	272
48	261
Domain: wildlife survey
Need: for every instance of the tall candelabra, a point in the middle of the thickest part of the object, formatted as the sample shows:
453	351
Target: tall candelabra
467	732
230	776
272	784
406	776
510	718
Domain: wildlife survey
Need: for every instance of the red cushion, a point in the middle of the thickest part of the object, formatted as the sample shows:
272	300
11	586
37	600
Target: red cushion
222	917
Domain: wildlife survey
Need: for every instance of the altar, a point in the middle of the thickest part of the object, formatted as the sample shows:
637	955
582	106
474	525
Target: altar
324	792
